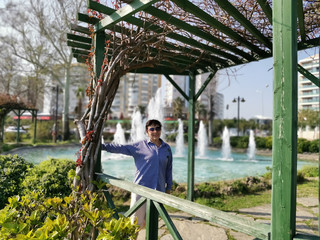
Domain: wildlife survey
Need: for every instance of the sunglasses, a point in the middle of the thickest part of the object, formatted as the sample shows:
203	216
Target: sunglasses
155	129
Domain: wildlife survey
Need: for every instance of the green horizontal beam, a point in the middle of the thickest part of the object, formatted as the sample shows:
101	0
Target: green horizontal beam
79	38
188	6
120	15
309	75
78	45
80	29
228	220
315	42
232	11
138	22
196	31
85	18
80	52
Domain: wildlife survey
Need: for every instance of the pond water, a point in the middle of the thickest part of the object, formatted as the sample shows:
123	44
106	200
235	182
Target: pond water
212	167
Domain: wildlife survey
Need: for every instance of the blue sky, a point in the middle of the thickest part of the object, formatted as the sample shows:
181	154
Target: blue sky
253	82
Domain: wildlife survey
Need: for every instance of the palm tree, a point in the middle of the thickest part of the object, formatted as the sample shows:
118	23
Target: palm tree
178	104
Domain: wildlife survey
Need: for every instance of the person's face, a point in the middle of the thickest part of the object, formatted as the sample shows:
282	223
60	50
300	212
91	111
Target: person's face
154	132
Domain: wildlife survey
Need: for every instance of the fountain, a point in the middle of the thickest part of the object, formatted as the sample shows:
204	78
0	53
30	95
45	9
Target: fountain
179	141
252	146
226	148
137	130
119	136
202	141
155	110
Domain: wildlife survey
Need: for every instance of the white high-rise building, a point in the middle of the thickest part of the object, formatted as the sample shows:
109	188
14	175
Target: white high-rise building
308	92
134	90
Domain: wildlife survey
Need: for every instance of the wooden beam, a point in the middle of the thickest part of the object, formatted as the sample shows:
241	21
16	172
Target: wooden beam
284	147
192	8
229	8
196	31
229	220
120	15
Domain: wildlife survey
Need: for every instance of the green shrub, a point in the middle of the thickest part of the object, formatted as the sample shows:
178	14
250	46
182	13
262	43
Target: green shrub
82	216
268	174
239	142
50	178
171	137
260	142
269	142
217	142
13	170
303	145
314	146
310	171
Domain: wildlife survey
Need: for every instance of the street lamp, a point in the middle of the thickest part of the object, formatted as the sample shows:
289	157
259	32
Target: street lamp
238	100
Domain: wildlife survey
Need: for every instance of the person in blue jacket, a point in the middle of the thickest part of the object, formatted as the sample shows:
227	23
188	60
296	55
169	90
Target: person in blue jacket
153	161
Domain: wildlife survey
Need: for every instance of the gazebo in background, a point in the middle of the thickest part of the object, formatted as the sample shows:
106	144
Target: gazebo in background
9	103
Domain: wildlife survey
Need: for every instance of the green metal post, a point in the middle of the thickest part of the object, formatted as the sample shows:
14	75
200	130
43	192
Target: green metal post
191	120
99	43
151	221
18	126
34	114
284	150
319	151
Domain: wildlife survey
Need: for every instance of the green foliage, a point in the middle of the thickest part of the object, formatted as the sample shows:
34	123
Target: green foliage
13	170
44	129
268	174
239	142
303	145
217	141
314	146
260	142
269	142
50	178
78	216
310	171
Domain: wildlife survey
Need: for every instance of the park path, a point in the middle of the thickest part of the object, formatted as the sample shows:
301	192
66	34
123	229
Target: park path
194	228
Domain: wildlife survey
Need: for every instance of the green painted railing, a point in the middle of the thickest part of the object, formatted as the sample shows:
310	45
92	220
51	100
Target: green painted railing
155	201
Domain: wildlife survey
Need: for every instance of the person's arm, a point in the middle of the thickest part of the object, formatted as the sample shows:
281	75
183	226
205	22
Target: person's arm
117	148
169	173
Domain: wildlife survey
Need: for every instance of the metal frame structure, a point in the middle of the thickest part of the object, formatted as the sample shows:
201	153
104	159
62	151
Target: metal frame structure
217	45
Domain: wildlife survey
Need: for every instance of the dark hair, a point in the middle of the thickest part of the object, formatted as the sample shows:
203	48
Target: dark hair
152	122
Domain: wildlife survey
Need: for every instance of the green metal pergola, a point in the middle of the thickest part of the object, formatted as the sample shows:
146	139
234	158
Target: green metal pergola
218	34
18	110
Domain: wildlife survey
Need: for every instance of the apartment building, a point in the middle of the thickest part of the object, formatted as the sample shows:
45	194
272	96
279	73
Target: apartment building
308	93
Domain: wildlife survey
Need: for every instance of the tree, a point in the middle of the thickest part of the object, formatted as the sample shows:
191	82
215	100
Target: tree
178	104
308	117
38	38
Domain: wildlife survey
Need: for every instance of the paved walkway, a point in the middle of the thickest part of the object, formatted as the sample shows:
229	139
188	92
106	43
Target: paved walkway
193	228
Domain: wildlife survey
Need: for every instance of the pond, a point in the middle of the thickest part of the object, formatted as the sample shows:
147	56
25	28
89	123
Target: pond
212	167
